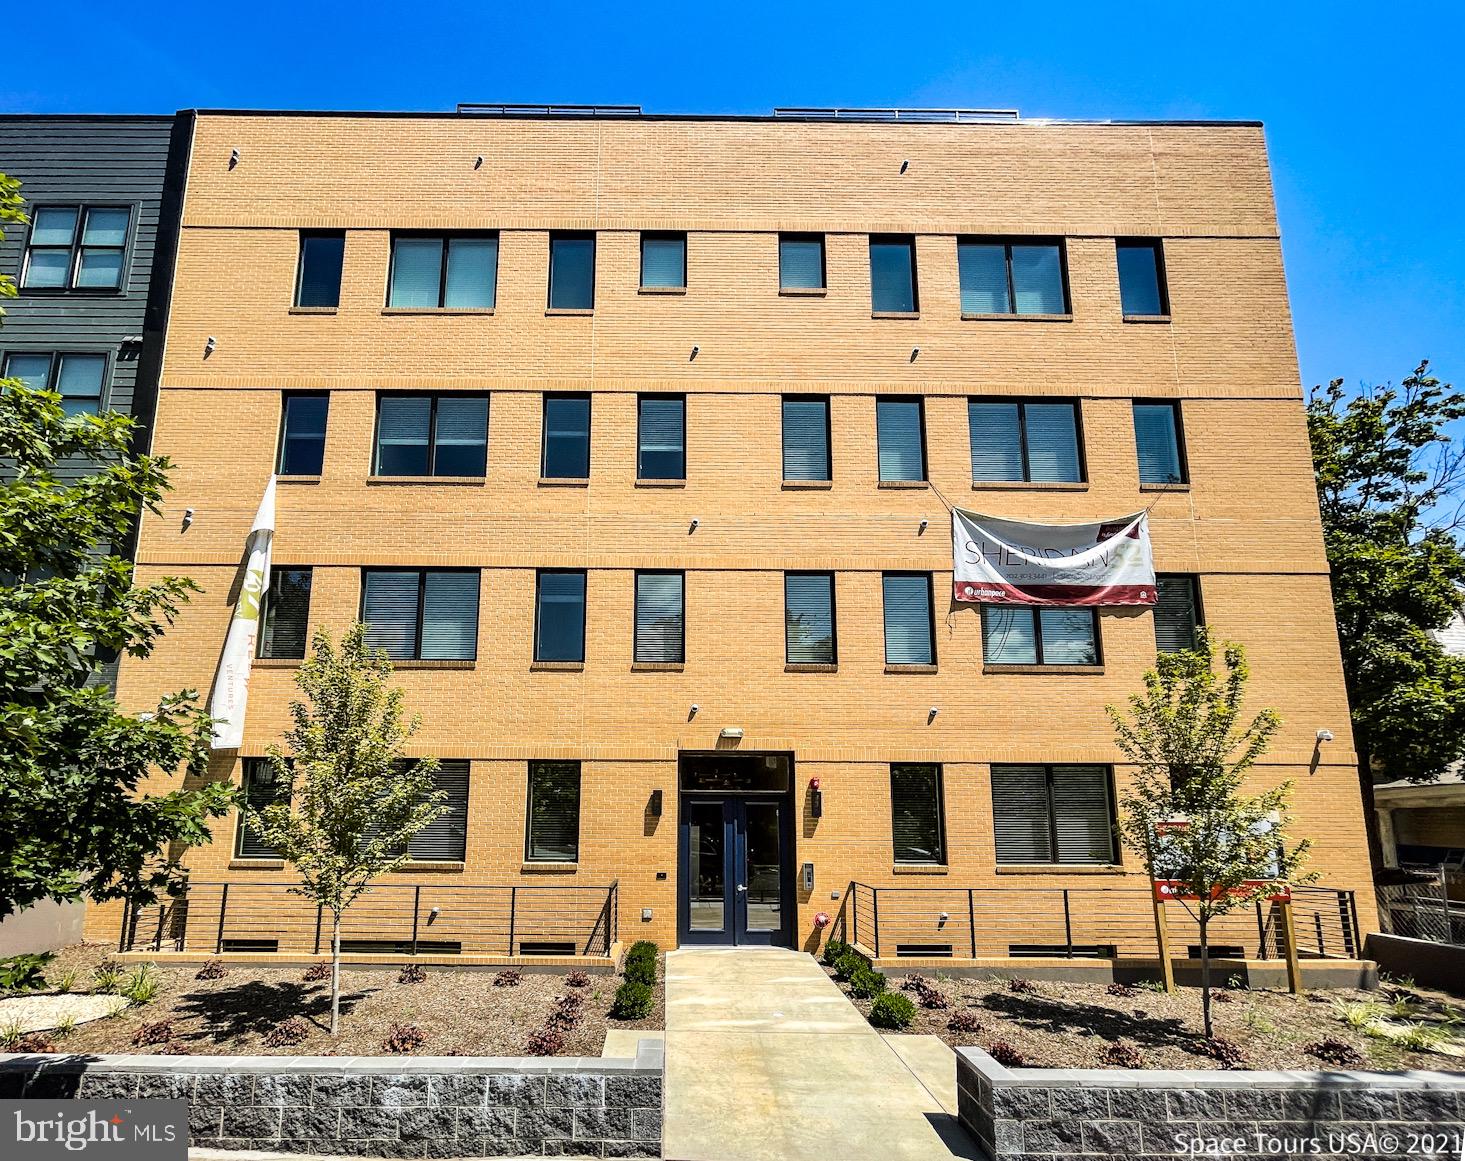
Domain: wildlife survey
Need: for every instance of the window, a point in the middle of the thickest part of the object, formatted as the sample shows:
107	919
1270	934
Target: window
1053	814
445	838
1142	291
559	620
76	248
893	275
566	438
661	437
1177	612
900	432
808	618
79	379
1019	635
999	277
801	262
660	617
433	271
916	815
552	834
664	261
1157	441
421	614
806	438
1024	441
303	434
318	280
286	609
572	272
431	435
910	631
262	787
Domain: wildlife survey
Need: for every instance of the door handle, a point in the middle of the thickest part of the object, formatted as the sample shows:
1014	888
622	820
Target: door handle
742	887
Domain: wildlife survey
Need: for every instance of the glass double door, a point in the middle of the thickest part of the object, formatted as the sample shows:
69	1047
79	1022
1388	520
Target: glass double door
735	872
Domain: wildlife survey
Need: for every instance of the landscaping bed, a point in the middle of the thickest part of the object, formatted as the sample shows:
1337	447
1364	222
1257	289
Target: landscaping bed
1047	1024
254	1010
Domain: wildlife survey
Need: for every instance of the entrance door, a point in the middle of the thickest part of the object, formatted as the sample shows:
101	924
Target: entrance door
735	880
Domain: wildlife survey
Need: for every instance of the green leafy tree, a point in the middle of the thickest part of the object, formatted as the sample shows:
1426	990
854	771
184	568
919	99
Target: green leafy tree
74	821
348	804
1389	484
12	213
1186	814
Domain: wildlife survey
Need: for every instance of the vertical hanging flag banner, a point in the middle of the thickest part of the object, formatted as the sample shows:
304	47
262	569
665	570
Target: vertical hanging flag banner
1012	562
231	686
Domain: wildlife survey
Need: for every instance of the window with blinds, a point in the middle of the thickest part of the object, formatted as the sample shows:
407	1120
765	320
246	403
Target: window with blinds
893	274
1053	814
916	814
1021	635
431	435
286	611
664	261
553	827
445	838
1142	291
1003	277
1021	440
660	617
318	279
806	438
910	636
1157	443
444	270
421	614
261	788
900	433
801	261
571	271
559	618
303	433
566	438
808	603
1177	612
661	437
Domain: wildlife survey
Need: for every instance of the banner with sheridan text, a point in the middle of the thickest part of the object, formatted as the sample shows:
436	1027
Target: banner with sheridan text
1012	562
231	686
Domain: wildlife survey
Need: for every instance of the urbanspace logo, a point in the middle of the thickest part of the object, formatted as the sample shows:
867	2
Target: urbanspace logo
149	1130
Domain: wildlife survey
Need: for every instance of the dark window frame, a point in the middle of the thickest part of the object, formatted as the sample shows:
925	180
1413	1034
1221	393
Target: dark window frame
944	852
241	824
833	614
904	240
539	575
1182	460
920	402
589	430
663	395
265	606
422	604
1037	612
930	612
1195	597
73	266
571	235
1115	855
1021	402
804	236
444	237
579	765
681	658
53	373
809	397
305	236
1007	242
1162	282
433	397
285	398
657	236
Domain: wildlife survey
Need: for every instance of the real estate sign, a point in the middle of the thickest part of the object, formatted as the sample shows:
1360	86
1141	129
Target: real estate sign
231	686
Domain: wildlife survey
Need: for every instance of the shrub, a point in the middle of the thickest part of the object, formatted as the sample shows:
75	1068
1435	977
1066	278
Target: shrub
157	1032
10	1035
1122	1055
566	1012
211	970
849	963
833	950
317	971
577	980
65	980
892	1010
1157	986
633	1001
1021	986
34	1042
915	982
508	978
1336	1052
929	997
404	1038
106	976
64	1027
1236	982
175	1048
545	1042
291	1030
641	971
1118	989
966	1022
1006	1055
1357	1014
1420	1037
867	983
1218	997
1222	1051
412	974
643	951
24	973
142	984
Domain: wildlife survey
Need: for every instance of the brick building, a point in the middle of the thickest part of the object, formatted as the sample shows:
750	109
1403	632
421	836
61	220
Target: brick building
632	437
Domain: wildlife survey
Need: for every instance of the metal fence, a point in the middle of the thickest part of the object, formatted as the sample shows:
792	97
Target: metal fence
1433	910
390	919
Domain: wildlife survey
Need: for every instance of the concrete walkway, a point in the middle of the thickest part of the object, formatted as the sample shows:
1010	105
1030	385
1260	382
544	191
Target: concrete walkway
767	1059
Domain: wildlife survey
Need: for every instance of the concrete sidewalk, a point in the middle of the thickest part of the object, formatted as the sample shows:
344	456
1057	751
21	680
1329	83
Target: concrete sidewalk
767	1059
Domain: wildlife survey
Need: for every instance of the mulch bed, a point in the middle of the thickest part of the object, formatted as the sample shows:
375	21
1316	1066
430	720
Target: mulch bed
1073	1025
459	1012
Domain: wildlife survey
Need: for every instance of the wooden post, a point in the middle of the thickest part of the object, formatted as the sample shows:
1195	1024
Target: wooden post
1289	947
1162	942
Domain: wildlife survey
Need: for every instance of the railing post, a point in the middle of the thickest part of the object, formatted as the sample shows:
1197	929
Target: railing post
1261	931
416	911
1449	932
318	911
875	916
854	912
615	916
1317	929
513	909
223	904
1067	925
971	919
1357	949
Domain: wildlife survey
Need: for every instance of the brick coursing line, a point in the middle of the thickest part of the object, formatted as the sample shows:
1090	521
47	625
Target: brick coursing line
1026	1114
419	1107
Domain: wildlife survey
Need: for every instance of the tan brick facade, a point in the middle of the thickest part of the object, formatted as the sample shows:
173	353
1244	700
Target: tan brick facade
1248	523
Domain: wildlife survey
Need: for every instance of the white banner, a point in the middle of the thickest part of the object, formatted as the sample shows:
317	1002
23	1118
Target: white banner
231	686
1011	562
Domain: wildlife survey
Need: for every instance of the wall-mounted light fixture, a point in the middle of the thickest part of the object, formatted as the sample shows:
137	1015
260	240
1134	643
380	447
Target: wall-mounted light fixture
233	158
208	347
904	165
735	733
920	531
915	351
931	714
1325	735
692	713
478	162
187	517
695	350
693	526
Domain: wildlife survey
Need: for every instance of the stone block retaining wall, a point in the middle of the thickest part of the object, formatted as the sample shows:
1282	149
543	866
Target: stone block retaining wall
388	1107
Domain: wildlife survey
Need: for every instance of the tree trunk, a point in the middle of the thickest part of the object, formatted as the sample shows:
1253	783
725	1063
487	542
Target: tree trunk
1205	973
1370	812
336	972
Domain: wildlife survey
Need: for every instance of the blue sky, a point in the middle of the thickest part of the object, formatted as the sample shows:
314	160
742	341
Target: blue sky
1363	103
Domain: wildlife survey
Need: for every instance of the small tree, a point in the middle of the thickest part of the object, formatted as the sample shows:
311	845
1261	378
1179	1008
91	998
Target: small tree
348	803
1185	813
